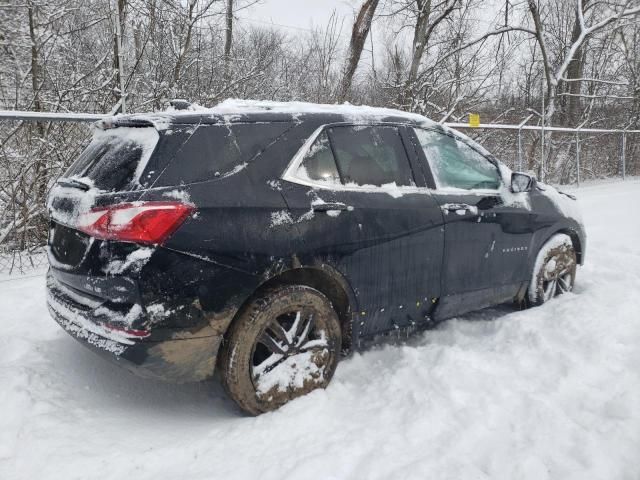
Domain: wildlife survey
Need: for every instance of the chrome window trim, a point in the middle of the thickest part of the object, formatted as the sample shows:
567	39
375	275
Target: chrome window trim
294	164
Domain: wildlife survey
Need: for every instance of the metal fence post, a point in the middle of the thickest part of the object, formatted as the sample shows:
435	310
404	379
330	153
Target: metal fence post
624	151
123	94
542	135
519	150
520	125
578	157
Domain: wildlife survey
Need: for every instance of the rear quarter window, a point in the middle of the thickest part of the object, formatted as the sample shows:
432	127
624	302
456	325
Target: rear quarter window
216	151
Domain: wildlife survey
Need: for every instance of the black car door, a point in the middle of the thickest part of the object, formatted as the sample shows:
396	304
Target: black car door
488	230
355	204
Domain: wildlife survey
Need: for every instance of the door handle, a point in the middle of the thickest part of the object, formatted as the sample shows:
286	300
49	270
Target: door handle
325	207
459	208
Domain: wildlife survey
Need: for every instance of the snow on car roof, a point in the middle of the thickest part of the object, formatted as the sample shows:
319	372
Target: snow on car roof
346	109
232	110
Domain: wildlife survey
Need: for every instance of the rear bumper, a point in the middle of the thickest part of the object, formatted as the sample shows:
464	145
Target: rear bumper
175	355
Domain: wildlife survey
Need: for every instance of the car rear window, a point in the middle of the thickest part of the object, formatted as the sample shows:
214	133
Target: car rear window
115	158
215	151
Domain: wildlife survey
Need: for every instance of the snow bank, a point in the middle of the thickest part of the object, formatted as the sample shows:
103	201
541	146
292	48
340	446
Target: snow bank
547	393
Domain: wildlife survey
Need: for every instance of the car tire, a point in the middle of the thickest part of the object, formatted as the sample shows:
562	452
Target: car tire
554	271
285	343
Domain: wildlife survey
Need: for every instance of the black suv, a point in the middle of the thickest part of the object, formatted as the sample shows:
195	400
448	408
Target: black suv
265	240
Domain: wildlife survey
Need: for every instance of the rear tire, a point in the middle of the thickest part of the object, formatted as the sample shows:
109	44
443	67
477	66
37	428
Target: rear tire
284	344
554	271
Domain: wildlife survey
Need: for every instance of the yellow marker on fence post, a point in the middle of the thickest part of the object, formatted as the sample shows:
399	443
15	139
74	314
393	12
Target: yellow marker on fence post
474	120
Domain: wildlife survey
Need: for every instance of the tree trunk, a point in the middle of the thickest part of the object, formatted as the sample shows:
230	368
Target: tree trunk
550	80
228	38
35	67
359	34
418	47
184	49
422	31
117	53
574	71
40	178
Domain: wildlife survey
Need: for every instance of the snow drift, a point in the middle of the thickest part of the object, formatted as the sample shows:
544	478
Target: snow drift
547	393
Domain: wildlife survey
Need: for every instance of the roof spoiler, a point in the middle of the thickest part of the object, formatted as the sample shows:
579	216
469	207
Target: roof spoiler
115	122
180	104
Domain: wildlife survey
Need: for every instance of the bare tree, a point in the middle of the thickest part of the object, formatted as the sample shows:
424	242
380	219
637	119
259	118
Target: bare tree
435	59
228	38
425	24
586	26
359	33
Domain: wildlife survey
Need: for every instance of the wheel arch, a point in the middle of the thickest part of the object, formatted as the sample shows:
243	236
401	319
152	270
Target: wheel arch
578	246
575	240
574	235
323	278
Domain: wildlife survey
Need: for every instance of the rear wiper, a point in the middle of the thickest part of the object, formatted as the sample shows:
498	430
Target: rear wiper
73	183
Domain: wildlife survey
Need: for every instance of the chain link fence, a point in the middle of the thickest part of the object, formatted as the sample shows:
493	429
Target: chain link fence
22	262
570	155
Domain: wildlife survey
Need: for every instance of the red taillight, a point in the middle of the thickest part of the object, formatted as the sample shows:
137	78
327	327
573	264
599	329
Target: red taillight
139	222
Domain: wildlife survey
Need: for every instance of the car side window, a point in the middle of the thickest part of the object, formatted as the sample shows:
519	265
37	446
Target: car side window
370	155
455	164
318	163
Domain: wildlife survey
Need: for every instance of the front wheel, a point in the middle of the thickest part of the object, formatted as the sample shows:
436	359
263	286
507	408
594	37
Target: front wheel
284	344
554	271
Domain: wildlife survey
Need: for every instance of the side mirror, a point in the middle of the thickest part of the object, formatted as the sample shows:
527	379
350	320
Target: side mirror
521	182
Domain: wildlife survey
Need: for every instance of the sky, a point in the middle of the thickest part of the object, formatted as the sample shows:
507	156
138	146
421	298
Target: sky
292	15
297	16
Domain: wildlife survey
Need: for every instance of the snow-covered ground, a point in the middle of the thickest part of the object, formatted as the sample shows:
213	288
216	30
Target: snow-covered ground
548	393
